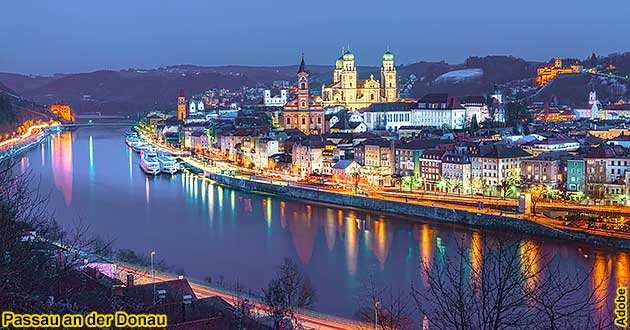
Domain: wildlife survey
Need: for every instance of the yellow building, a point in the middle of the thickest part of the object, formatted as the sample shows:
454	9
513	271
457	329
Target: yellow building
346	90
550	71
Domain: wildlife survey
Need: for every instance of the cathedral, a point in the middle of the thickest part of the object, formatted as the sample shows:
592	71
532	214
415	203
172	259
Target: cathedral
304	113
346	90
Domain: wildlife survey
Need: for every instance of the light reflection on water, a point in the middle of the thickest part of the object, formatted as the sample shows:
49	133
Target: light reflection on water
182	218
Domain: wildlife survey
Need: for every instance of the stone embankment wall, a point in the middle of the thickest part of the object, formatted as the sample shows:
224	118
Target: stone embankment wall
435	213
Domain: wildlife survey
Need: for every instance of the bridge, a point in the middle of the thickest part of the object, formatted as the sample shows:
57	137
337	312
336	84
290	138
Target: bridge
97	124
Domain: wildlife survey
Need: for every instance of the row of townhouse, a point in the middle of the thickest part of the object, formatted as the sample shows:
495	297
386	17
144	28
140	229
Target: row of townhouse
603	174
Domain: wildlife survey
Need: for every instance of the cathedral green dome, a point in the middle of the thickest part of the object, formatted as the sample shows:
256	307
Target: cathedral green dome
339	63
388	56
348	56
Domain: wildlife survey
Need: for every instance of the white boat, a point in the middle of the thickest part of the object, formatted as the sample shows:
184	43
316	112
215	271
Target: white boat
131	139
150	165
168	164
147	151
136	146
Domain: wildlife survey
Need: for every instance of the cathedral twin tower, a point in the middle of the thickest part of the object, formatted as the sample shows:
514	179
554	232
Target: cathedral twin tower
348	91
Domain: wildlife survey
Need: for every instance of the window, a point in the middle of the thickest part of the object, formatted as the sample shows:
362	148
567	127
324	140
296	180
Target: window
303	121
288	121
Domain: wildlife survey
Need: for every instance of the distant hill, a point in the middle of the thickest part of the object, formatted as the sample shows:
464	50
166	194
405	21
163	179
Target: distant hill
136	90
573	89
19	110
476	75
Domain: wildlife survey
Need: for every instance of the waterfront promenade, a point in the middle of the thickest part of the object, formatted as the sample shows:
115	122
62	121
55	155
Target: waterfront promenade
309	319
494	213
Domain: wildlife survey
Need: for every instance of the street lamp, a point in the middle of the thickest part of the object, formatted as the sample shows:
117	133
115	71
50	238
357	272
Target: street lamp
152	253
377	304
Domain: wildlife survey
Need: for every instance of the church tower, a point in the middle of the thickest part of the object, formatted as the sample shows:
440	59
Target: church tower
181	105
302	86
389	88
348	78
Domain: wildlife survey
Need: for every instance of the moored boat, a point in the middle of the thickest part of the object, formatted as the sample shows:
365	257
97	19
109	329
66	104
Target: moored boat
168	164
137	146
131	139
150	165
147	151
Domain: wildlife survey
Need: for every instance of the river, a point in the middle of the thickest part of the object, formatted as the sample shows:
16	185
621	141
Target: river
208	230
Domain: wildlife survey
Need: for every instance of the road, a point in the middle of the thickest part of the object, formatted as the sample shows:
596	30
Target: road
29	134
309	319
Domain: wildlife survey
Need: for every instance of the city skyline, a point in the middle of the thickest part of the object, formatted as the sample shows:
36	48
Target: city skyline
91	37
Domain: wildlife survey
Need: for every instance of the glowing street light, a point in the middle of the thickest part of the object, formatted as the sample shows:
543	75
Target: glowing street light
152	253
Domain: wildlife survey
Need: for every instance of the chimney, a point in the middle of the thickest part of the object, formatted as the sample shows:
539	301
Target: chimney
130	280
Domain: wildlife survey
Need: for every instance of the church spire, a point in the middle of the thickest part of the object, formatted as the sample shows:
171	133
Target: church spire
302	65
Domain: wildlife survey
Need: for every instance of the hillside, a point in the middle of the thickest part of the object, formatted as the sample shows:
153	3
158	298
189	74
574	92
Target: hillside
477	75
573	89
15	110
136	90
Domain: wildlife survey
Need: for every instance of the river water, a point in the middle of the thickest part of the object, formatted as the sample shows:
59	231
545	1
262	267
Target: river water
208	230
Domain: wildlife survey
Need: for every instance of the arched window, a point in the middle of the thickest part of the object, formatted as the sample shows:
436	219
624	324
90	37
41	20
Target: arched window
302	86
303	103
288	121
303	121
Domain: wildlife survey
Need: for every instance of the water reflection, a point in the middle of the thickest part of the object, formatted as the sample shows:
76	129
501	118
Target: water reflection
476	261
352	247
61	161
336	246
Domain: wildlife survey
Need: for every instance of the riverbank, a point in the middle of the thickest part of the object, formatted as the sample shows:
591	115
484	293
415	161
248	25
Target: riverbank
486	219
26	144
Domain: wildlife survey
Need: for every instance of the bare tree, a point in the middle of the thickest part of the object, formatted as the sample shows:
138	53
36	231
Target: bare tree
505	284
288	291
538	195
36	253
381	307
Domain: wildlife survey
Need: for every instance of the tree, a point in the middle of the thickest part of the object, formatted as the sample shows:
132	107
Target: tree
537	193
518	116
506	284
289	290
596	192
509	182
474	125
384	307
37	254
7	114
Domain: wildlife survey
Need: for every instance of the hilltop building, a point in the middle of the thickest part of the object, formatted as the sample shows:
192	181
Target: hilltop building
63	111
548	72
304	113
348	91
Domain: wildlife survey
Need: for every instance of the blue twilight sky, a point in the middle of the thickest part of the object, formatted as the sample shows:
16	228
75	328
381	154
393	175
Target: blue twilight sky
48	36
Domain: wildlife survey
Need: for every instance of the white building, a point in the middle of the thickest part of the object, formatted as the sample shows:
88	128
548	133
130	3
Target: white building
456	170
590	110
493	165
277	100
195	105
476	108
345	121
439	110
388	116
